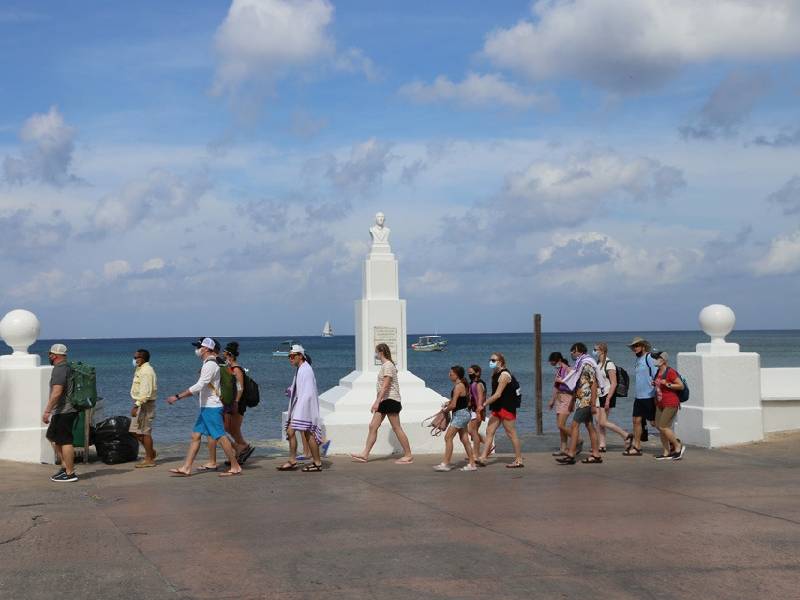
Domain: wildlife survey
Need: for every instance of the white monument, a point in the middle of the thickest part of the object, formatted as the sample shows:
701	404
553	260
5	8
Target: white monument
380	318
24	390
724	406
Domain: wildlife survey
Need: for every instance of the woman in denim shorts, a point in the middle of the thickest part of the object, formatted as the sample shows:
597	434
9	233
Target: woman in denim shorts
460	407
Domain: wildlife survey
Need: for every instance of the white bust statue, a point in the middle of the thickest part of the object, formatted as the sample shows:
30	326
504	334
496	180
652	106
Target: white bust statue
379	232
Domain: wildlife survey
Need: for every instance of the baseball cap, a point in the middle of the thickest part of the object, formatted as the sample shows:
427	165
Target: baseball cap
204	343
297	349
59	349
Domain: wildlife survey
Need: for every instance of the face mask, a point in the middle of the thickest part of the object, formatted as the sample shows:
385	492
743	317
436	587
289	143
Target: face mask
473	376
377	356
639	353
134	363
492	364
197	353
595	354
51	361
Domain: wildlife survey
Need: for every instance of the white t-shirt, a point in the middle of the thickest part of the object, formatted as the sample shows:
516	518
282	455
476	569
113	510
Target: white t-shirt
208	386
602	377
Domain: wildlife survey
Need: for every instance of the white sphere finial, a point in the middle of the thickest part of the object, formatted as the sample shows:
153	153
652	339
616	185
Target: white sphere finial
20	329
717	321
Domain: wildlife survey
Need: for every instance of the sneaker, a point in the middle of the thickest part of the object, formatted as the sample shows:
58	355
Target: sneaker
64	478
469	468
679	455
443	468
662	457
59	472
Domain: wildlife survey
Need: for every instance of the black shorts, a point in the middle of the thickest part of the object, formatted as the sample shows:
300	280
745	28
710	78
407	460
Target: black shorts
583	415
611	404
242	407
390	407
645	408
60	429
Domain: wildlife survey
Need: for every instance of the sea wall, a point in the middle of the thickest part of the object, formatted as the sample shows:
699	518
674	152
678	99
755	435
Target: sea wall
780	399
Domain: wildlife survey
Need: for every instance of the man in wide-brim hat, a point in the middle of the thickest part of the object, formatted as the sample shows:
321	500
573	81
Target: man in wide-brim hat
644	404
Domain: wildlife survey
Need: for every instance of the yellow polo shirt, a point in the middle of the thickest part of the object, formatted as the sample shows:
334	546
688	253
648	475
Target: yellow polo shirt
144	388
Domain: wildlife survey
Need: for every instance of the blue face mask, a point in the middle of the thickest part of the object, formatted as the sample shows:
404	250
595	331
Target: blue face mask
492	364
595	354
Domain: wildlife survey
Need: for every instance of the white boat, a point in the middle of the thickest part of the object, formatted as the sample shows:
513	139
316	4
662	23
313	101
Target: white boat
430	343
283	348
327	331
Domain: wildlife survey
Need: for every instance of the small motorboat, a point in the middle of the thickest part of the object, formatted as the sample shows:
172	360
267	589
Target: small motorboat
283	348
430	343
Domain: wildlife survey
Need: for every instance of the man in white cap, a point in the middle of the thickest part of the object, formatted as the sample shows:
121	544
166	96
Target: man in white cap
209	421
303	412
60	415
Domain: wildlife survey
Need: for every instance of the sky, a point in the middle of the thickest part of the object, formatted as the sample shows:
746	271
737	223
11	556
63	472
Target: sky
185	167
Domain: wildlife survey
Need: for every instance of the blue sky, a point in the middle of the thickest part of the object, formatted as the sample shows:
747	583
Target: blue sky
168	168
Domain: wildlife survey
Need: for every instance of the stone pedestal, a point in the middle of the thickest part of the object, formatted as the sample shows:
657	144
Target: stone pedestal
380	317
724	407
24	390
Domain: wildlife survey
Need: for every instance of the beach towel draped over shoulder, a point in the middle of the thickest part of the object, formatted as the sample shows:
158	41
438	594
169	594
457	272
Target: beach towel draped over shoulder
304	403
571	381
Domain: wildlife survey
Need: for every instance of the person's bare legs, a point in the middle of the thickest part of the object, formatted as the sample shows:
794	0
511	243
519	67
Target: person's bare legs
67	452
601	427
511	431
563	430
465	440
146	440
306	447
593	439
191	454
311	442
449	436
491	430
227	447
394	421
372	436
236	421
474	429
212	454
637	432
611	426
574	436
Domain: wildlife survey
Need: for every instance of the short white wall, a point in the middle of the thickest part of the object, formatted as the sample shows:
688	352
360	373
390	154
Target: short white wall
780	399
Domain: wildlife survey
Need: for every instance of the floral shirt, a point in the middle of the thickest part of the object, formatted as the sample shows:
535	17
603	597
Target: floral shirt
583	391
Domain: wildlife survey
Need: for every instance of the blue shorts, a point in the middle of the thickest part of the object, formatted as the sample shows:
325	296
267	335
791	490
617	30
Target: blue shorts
209	422
461	418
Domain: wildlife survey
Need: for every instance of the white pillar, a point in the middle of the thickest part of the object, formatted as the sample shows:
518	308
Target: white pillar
24	390
724	407
380	317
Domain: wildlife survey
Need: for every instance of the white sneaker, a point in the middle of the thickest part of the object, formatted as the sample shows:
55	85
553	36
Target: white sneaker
469	468
442	467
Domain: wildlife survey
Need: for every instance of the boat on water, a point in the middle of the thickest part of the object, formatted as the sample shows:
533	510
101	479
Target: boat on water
430	343
327	331
283	348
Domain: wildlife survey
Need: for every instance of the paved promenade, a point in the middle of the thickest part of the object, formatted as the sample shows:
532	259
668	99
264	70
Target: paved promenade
719	524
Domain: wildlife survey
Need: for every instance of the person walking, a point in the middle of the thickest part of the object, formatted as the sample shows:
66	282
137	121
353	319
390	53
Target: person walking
60	416
561	400
303	412
144	391
644	404
234	418
460	408
477	391
503	404
667	383
607	379
583	380
209	420
387	405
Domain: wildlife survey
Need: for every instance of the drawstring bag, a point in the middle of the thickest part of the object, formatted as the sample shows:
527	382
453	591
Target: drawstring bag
438	422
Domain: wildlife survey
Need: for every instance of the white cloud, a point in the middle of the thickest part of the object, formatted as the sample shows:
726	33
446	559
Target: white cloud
116	269
630	45
783	257
475	91
47	147
153	264
46	284
433	282
260	39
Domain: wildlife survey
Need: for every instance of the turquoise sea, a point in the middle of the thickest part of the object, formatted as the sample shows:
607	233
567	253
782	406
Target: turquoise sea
177	368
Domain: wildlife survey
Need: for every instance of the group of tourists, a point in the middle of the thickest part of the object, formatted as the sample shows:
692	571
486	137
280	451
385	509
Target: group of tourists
588	390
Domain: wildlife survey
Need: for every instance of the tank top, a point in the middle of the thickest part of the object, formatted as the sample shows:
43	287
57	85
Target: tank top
462	402
562	374
473	391
507	400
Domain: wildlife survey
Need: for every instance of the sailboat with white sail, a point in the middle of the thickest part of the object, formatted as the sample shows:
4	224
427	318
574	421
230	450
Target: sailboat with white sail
327	330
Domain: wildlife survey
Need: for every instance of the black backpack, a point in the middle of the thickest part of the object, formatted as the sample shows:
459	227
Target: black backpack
623	382
516	388
251	395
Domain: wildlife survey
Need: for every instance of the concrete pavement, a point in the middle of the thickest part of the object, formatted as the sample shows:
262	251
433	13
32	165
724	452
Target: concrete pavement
719	524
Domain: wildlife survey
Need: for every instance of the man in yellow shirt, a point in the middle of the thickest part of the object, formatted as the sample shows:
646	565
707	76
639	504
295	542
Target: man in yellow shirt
143	393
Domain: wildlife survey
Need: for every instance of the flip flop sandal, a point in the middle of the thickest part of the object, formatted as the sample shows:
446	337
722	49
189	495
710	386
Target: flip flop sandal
602	449
177	473
248	452
229	473
559	453
206	468
629	441
287	467
144	465
404	461
592	460
632	452
358	459
515	465
566	460
312	468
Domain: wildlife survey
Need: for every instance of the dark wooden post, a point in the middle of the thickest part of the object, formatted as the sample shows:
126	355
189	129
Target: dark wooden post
537	353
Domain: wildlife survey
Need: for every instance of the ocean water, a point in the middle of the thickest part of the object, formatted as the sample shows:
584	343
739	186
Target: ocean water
333	358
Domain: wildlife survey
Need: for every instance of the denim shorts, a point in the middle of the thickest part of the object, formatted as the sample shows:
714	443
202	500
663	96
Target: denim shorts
461	418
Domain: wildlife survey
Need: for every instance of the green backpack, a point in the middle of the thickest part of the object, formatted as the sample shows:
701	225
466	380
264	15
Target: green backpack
81	386
227	384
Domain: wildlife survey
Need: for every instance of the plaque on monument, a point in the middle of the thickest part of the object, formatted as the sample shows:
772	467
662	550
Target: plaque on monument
385	335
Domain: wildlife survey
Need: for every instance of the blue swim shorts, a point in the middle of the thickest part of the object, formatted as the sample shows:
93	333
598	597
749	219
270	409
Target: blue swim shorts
209	422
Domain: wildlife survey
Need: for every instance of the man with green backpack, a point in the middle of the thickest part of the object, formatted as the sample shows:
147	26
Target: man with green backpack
60	415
